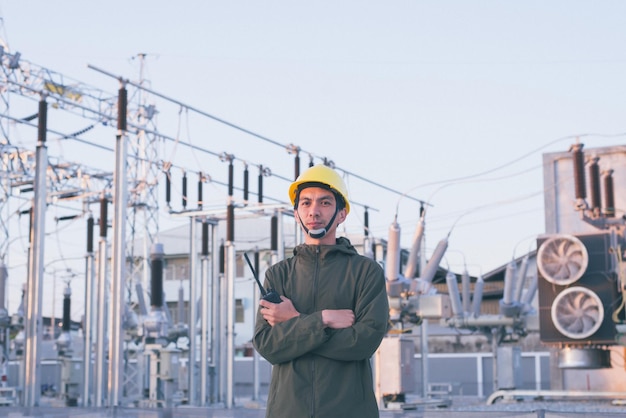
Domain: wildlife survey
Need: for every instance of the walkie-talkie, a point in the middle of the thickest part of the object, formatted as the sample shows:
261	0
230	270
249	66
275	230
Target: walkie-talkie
268	295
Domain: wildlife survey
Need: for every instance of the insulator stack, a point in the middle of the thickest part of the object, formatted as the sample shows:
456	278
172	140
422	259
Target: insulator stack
296	166
231	178
103	217
184	190
261	184
90	228
205	238
477	298
455	297
392	265
168	188
412	262
181	304
509	283
4	274
156	276
200	191
274	233
246	182
222	255
66	309
521	279
465	292
42	128
67	218
122	106
366	223
230	223
433	264
594	183
579	171
509	307
530	293
609	194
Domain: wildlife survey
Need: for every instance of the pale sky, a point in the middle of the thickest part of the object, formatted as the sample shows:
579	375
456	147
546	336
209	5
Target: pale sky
451	102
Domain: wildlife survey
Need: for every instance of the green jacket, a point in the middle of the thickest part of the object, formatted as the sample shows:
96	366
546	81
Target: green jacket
321	372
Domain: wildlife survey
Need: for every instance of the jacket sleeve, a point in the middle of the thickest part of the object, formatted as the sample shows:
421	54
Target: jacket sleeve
361	340
290	339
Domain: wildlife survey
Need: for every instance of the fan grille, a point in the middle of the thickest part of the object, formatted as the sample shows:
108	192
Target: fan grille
562	259
577	312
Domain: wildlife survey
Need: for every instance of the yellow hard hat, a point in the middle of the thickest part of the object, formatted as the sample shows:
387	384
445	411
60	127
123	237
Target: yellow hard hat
321	174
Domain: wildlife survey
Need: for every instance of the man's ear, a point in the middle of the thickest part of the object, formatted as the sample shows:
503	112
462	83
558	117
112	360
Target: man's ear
341	216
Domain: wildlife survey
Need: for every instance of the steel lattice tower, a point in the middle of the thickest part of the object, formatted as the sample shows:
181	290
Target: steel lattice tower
21	78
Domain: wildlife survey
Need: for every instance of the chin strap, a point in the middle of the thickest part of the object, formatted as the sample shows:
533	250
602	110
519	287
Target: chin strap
319	233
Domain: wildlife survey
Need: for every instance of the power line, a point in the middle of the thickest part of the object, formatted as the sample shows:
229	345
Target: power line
289	147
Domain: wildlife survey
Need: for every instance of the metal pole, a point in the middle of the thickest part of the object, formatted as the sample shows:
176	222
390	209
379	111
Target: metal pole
5	320
479	376
33	324
103	298
230	327
119	259
215	319
222	331
256	295
193	312
494	348
256	375
89	314
424	325
424	348
205	319
204	331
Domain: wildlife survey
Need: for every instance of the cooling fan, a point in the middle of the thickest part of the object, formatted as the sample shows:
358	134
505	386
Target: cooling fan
562	259
577	289
577	312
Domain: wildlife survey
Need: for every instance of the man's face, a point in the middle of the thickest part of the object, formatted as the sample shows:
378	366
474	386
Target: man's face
316	207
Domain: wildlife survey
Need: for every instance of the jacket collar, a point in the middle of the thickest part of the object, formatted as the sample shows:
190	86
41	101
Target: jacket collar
342	244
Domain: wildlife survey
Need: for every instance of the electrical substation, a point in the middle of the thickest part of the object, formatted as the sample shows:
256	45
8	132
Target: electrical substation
164	311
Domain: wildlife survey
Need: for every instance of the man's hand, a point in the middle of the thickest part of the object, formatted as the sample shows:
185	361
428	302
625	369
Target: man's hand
338	318
275	313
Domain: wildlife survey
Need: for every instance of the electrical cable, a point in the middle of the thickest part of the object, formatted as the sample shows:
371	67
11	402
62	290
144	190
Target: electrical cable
289	147
507	164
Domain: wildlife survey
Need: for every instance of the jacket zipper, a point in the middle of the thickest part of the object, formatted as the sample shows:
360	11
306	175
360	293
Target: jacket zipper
315	279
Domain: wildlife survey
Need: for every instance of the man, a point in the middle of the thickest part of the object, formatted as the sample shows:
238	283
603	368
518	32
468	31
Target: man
333	314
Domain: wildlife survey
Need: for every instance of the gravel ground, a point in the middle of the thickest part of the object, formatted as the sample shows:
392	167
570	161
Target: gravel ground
477	408
459	407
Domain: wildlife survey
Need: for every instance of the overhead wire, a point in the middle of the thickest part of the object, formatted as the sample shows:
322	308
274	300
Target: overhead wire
140	86
465	181
456	180
298	149
473	178
446	183
110	118
289	147
164	163
503	202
